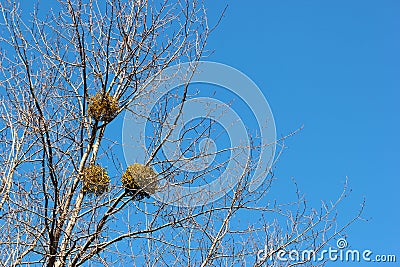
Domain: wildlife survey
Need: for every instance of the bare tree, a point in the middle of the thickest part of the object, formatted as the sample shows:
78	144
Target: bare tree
66	75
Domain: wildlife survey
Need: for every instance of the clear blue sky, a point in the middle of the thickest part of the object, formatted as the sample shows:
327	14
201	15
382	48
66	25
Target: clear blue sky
333	66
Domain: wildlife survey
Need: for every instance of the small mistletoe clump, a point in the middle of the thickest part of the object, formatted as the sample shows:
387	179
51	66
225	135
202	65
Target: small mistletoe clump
95	179
102	107
140	181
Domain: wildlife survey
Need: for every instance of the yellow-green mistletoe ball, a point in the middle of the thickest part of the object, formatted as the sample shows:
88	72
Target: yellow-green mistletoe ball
95	179
140	180
102	107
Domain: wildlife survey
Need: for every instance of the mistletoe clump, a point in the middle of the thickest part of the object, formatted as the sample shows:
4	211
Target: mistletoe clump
140	181
102	107
95	179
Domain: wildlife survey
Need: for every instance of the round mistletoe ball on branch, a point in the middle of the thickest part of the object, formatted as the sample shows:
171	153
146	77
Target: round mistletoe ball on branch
103	107
140	181
95	179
